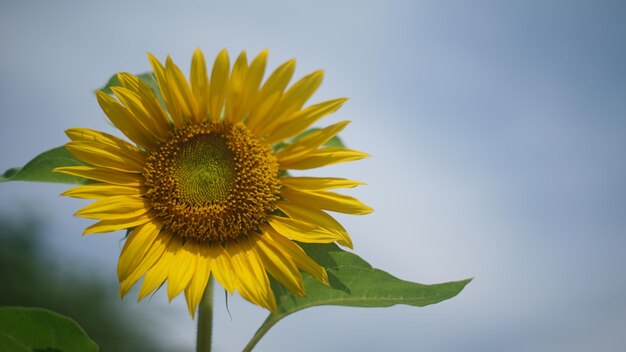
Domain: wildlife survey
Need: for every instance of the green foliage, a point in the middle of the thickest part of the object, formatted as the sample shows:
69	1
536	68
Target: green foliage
355	283
334	142
146	77
331	143
112	82
36	329
31	278
40	168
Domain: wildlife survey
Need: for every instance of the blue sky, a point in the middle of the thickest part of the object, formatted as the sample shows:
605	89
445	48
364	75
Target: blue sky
497	130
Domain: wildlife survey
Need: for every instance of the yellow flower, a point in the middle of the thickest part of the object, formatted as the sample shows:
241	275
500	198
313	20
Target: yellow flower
205	187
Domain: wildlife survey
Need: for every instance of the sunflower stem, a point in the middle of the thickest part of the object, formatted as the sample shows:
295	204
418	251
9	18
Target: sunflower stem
205	319
267	325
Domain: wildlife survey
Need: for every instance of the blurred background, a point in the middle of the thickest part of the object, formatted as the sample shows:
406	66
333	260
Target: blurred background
497	129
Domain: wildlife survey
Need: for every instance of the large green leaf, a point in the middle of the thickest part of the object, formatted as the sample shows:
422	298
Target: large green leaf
353	282
40	330
40	168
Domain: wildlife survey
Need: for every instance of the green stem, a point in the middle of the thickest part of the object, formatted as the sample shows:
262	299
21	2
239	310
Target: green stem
205	319
265	327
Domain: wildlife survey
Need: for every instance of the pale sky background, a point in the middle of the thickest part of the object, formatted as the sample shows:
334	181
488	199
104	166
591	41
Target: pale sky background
497	129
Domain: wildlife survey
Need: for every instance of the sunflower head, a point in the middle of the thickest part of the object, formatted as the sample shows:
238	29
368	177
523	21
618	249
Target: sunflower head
204	182
212	181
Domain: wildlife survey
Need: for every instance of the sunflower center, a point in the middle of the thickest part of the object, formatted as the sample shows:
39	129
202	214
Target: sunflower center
205	169
212	181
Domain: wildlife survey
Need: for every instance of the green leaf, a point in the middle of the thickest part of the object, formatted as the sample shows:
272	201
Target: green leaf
40	168
147	77
355	283
41	330
113	82
333	142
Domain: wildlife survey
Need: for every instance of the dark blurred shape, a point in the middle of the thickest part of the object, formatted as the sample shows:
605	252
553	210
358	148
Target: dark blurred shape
29	278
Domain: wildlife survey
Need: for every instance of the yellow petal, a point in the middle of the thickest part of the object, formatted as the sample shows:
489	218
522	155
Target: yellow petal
103	175
166	92
318	183
326	200
250	91
321	157
318	217
302	231
109	158
302	260
110	225
221	266
254	284
182	268
262	109
135	105
135	248
200	83
195	289
270	94
280	266
125	121
235	88
88	135
153	254
156	275
219	85
122	148
101	190
293	100
181	91
311	141
301	120
148	99
240	272
118	207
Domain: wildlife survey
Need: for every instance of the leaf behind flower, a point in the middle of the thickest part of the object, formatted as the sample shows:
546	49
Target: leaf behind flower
39	169
355	283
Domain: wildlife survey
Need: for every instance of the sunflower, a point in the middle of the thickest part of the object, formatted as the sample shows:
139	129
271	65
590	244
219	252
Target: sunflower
204	188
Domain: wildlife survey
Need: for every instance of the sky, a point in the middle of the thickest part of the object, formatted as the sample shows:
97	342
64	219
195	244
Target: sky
497	131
